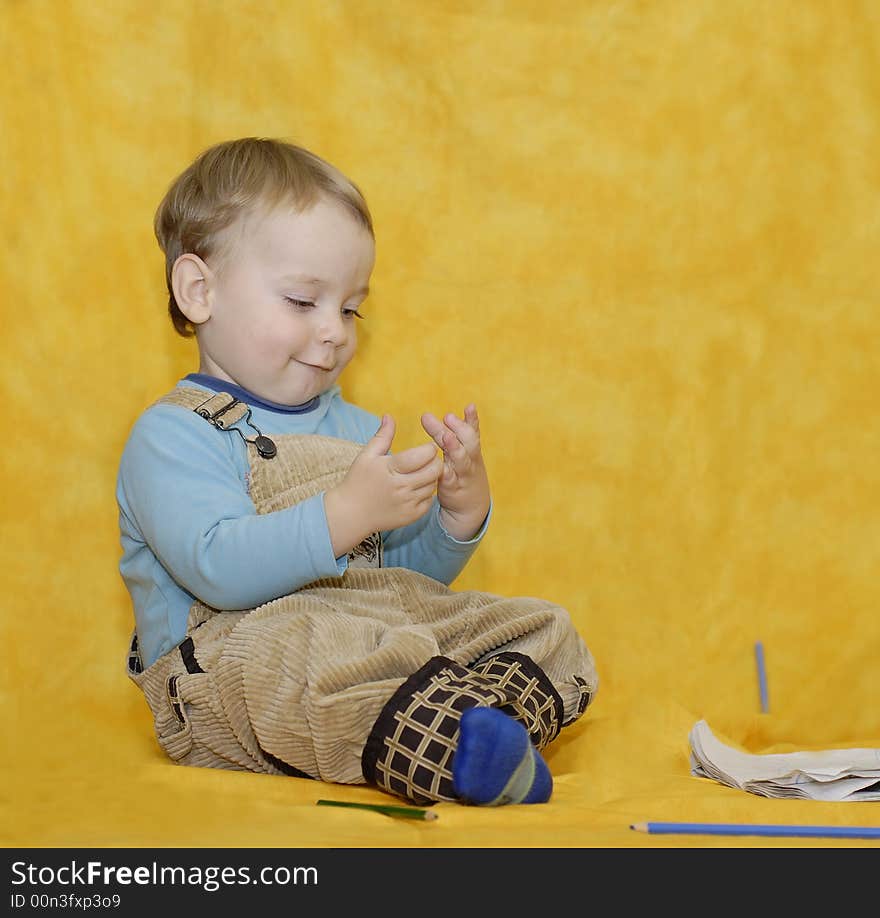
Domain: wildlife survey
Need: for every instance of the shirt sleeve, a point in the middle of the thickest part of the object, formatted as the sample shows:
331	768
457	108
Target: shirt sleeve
185	495
425	546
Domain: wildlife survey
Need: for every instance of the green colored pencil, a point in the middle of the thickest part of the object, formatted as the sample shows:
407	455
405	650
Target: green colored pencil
404	812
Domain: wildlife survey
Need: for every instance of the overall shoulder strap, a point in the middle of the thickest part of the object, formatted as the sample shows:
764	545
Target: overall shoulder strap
223	411
220	408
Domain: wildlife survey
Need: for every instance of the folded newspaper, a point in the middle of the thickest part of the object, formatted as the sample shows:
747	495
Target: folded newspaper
832	774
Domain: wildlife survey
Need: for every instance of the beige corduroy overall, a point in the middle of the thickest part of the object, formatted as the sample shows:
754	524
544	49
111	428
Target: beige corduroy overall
360	678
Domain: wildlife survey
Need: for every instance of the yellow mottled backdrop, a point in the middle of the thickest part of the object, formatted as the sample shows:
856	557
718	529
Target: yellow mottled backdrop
642	236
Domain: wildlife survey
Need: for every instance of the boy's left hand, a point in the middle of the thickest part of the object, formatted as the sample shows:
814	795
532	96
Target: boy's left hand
463	487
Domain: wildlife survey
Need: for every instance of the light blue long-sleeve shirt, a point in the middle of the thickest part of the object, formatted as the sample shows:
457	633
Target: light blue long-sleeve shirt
189	529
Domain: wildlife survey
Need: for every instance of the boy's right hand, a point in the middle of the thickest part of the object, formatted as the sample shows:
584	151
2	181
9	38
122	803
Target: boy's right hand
381	491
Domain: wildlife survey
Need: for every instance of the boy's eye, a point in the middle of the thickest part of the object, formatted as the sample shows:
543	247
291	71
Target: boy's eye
307	304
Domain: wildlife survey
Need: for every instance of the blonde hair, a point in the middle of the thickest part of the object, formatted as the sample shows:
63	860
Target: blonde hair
231	180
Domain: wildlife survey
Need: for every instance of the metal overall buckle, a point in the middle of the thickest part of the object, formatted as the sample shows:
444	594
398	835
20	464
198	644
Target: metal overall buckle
214	414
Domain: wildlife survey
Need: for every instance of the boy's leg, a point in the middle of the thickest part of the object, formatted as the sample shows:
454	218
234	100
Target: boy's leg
344	680
471	627
534	702
444	735
549	671
525	649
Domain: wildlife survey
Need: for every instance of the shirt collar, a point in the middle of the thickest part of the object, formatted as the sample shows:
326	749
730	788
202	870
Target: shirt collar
220	385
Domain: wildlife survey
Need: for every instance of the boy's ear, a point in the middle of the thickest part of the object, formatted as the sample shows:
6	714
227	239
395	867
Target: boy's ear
191	282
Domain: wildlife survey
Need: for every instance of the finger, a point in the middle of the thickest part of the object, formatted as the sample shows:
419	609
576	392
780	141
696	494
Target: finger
471	416
417	484
433	427
425	492
423	504
468	437
453	448
414	458
380	443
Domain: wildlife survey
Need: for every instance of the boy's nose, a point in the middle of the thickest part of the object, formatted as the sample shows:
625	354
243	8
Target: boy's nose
331	329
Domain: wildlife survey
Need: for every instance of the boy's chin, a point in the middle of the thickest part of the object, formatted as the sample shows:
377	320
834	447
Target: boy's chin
292	397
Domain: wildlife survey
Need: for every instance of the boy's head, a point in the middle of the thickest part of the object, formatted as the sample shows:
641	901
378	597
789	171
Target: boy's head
269	251
236	179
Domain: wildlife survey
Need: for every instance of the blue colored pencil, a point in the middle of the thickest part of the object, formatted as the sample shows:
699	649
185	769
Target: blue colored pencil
720	828
762	676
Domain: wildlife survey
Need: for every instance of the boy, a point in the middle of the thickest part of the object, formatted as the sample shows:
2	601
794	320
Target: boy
289	573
